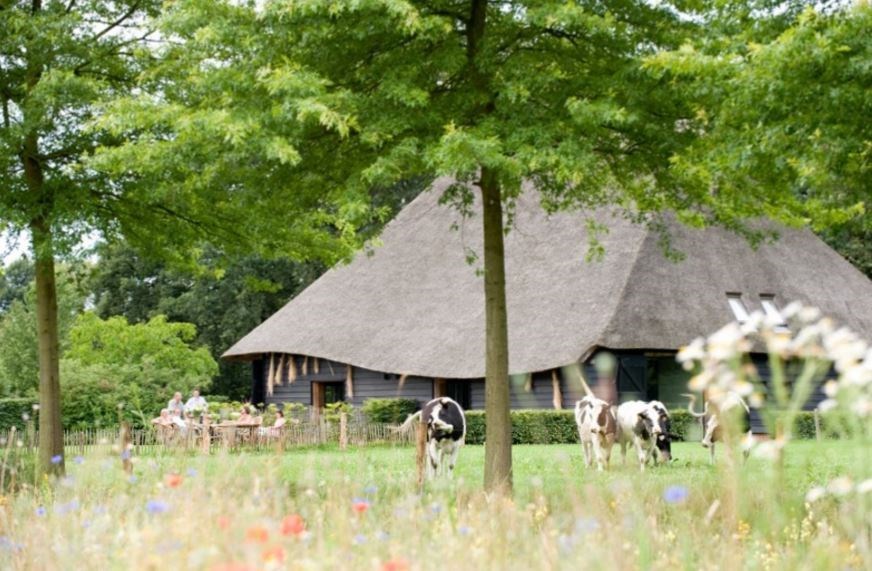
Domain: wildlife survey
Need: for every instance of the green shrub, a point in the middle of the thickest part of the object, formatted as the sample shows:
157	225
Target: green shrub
334	410
684	425
389	411
528	427
12	411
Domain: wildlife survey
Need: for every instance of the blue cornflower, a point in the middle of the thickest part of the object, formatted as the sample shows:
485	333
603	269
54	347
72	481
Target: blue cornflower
132	479
125	454
57	459
435	508
68	507
359	539
191	472
79	460
464	530
40	511
584	525
157	506
370	489
675	494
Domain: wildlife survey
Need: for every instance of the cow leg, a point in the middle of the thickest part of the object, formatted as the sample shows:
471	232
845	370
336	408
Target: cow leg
624	452
586	448
432	459
641	453
598	451
455	449
712	453
607	444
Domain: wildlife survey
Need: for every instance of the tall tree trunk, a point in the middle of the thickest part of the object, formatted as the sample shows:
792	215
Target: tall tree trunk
498	434
51	435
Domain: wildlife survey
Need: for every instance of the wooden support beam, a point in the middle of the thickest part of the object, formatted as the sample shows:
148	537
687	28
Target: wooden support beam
292	369
270	374
440	388
349	381
556	394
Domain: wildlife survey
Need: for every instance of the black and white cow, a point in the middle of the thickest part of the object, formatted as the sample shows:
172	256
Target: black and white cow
642	425
733	408
446	430
597	430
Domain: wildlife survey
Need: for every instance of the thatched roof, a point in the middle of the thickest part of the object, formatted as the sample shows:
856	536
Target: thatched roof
416	306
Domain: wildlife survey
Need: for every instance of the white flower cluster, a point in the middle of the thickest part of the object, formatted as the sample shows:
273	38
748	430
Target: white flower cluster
839	487
803	335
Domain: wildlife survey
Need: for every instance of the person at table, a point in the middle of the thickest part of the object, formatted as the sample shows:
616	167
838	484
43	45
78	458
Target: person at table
176	404
164	418
178	421
246	417
276	428
196	402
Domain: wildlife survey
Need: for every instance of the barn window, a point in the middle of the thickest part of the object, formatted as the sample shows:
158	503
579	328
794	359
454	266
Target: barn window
738	307
772	312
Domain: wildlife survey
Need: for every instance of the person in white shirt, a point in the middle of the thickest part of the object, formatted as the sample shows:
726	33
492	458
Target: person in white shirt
196	402
176	404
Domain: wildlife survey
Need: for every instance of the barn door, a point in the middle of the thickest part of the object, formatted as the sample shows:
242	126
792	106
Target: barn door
631	378
460	392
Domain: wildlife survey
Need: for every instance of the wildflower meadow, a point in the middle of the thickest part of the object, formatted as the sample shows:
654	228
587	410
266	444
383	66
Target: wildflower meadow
791	504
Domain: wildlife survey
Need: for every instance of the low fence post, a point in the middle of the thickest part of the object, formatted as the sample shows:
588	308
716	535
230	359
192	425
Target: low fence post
126	448
420	445
343	430
207	438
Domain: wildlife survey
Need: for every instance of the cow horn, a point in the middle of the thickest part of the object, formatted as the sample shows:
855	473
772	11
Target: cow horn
692	401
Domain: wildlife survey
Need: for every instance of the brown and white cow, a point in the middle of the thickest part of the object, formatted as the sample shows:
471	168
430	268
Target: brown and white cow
597	430
732	408
645	426
446	431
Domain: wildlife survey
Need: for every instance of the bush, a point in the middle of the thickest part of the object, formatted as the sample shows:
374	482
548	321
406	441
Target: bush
12	411
389	411
528	427
683	423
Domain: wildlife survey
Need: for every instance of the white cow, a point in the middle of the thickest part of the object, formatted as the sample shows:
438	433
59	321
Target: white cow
597	430
732	407
639	424
446	431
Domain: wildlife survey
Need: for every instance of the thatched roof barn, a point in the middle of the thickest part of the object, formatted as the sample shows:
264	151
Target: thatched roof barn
413	307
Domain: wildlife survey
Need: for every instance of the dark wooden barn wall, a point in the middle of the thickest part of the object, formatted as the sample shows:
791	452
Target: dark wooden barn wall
367	384
372	384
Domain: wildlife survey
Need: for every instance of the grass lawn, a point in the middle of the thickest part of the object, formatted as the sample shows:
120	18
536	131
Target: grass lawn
360	509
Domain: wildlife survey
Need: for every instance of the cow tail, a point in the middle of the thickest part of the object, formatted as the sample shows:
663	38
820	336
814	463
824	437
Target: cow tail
408	423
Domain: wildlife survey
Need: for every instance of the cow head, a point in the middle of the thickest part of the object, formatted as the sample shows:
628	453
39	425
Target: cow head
664	437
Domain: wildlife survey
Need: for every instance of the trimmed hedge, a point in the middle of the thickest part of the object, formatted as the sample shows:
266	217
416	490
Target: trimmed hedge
558	426
389	411
12	411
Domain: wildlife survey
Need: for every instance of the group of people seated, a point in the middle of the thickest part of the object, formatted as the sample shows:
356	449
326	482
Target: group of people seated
191	414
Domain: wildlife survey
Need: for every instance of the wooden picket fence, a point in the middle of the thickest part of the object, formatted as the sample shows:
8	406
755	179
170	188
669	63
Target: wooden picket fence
346	432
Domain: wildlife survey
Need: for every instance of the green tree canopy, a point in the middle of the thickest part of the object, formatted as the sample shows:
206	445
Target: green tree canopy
784	110
59	61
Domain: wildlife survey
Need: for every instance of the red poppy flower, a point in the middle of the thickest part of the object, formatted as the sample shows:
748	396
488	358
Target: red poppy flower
232	567
223	522
173	480
395	565
257	534
360	506
274	554
293	525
